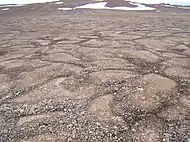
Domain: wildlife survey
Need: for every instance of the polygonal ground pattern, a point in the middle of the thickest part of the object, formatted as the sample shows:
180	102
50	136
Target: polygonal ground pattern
94	75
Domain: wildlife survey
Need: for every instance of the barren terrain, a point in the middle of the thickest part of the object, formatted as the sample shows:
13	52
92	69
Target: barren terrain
94	75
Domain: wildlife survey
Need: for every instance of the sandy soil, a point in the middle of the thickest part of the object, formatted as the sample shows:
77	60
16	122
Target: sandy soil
94	75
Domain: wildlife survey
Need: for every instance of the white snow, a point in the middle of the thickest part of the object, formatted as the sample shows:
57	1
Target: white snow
166	5
65	8
10	2
59	2
99	5
4	9
102	5
172	2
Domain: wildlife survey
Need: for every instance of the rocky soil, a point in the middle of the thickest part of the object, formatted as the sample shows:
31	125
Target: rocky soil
94	76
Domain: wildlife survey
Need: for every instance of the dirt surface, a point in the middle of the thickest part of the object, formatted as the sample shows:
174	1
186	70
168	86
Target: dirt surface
94	75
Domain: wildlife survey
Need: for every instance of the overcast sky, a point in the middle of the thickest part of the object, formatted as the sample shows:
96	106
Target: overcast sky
24	1
179	2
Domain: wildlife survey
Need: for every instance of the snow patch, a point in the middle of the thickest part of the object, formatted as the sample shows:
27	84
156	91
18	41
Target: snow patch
59	2
4	9
99	5
65	8
102	5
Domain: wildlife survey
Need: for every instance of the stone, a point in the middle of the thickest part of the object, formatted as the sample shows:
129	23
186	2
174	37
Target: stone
186	52
4	78
58	48
43	42
40	75
182	62
12	63
113	63
172	55
55	89
111	75
101	43
177	71
175	112
10	56
147	131
179	47
70	40
185	101
51	90
18	63
154	90
155	44
99	54
142	54
27	119
101	107
47	138
62	57
31	118
4	88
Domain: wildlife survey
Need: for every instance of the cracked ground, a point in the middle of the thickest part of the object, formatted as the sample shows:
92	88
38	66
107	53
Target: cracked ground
94	76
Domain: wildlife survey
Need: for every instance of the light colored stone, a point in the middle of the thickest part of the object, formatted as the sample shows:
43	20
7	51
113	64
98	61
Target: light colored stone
4	78
101	43
142	54
9	56
99	54
12	63
186	52
101	107
61	57
111	75
182	62
172	55
177	71
55	89
4	88
40	75
19	63
117	35
113	63
179	47
58	48
185	100
70	40
155	90
51	90
43	74
43	42
47	138
183	38
156	44
148	131
86	50
175	112
30	118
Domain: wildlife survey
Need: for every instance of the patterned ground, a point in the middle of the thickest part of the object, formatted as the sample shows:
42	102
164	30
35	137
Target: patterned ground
95	76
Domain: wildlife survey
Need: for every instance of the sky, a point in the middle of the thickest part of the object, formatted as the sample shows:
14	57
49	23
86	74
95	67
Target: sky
174	2
24	1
